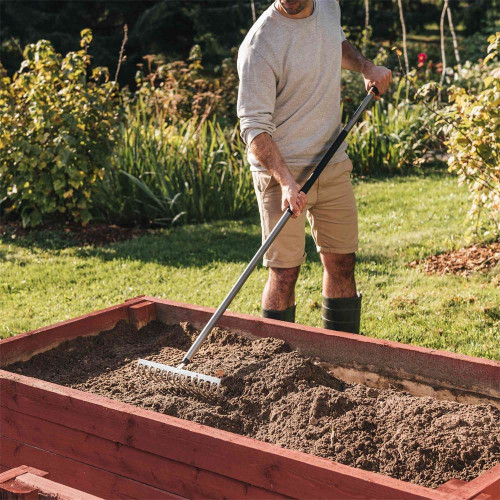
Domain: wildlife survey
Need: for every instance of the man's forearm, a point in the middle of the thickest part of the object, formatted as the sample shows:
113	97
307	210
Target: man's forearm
353	59
268	155
375	76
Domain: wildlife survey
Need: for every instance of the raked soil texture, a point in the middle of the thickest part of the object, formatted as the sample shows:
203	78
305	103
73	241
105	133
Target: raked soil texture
272	393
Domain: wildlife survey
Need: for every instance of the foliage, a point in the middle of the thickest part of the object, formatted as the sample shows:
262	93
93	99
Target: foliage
395	135
57	131
472	129
192	170
179	90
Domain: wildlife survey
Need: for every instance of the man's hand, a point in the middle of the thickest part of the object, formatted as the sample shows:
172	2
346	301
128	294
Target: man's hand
293	197
377	76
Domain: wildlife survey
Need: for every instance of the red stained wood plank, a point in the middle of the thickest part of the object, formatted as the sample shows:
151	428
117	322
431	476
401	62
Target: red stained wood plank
147	468
17	471
47	487
25	345
260	464
78	475
487	483
12	489
141	314
446	369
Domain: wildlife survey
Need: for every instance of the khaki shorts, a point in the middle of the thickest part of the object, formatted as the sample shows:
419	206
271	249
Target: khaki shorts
331	211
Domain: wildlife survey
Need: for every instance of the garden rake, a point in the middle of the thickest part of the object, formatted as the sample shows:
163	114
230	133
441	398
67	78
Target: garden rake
191	381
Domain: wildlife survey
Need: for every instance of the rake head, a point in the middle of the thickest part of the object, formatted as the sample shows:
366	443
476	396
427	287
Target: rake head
180	378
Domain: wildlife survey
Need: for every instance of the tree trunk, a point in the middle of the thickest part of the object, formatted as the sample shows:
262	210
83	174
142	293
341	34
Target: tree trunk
403	27
252	4
454	38
443	52
367	25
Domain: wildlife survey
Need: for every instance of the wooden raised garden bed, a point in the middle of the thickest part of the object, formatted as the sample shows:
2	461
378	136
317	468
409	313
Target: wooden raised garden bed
115	450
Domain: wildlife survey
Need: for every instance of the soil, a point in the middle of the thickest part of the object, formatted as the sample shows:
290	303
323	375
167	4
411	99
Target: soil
462	262
272	393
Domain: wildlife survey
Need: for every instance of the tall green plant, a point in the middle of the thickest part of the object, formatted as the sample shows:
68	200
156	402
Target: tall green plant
394	136
194	171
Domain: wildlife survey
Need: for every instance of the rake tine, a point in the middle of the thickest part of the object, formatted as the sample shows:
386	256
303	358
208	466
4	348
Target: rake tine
193	382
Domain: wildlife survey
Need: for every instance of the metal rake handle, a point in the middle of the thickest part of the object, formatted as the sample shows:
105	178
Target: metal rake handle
274	233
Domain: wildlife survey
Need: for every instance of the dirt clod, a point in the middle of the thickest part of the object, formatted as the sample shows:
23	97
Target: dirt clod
274	394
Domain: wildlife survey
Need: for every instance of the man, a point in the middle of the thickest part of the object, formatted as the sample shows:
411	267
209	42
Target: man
289	108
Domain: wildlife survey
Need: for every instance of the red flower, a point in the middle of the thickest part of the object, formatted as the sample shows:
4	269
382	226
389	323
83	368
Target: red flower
422	57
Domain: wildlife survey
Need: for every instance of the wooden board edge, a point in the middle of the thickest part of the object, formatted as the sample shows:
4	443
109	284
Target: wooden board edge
487	483
78	475
25	345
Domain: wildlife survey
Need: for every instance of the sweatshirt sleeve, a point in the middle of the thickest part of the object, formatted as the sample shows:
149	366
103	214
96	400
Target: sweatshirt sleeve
256	94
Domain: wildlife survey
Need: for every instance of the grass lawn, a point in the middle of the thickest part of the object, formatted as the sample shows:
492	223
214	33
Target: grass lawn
45	278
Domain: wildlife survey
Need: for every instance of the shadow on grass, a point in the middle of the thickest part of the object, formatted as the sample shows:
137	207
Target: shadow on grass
186	246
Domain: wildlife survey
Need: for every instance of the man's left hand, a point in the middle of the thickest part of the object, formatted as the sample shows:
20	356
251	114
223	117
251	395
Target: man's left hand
377	76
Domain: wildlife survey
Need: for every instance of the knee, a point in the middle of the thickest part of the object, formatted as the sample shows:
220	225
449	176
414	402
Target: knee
339	265
284	277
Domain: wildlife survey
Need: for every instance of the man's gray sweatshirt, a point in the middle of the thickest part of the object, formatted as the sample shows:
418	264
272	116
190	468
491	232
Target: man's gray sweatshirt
289	73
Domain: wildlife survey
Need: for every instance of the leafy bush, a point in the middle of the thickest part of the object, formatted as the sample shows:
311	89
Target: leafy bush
192	170
57	131
472	129
395	135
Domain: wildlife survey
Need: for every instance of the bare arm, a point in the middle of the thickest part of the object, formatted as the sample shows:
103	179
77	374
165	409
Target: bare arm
268	155
378	76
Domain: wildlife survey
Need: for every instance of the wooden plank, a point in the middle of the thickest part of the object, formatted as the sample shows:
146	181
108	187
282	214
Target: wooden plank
141	314
263	465
78	475
179	478
51	488
17	471
435	367
25	345
12	489
487	483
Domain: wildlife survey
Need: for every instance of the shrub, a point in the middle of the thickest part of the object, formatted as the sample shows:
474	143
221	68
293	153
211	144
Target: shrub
472	129
57	131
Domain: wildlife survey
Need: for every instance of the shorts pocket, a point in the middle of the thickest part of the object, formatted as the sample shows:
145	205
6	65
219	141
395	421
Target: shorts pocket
262	181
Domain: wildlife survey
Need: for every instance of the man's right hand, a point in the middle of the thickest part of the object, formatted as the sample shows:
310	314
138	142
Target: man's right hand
293	197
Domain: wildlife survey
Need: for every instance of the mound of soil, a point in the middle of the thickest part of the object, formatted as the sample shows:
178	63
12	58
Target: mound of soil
274	394
462	262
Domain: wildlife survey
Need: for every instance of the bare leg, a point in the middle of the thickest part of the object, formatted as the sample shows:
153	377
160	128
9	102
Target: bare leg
338	275
279	292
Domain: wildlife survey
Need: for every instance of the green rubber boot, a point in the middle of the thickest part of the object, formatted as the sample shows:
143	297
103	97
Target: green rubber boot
343	314
285	315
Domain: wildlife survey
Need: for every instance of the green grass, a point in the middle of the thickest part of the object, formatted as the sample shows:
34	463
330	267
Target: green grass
45	279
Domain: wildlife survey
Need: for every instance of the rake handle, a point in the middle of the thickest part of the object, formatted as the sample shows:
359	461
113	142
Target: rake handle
276	230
